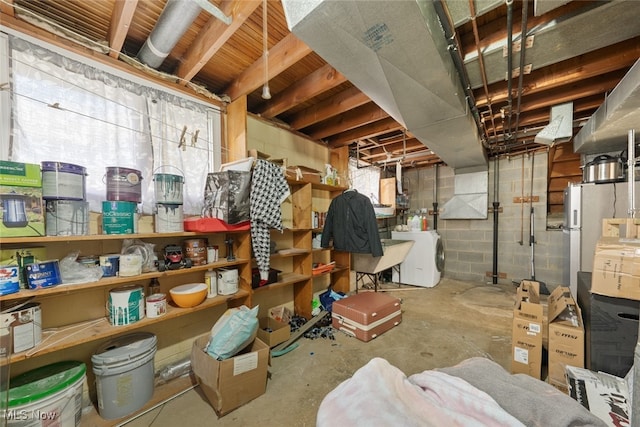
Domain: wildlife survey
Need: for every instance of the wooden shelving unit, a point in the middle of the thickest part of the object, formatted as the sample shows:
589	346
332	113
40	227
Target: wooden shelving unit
93	324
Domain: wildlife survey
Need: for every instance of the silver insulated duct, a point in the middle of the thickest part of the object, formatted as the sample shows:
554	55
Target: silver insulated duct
175	19
396	53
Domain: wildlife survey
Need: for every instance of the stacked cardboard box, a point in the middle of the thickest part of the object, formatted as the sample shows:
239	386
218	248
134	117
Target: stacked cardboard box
526	339
566	335
616	268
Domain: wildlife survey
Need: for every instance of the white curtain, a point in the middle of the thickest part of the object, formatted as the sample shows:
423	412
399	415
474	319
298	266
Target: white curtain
365	179
71	112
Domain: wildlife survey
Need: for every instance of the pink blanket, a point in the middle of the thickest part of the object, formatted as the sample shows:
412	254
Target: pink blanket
379	394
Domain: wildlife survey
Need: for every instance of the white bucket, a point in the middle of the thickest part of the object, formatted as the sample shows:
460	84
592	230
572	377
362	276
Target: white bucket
126	305
124	374
169	218
67	218
47	396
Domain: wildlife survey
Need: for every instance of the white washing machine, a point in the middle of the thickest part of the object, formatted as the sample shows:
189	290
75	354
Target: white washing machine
424	264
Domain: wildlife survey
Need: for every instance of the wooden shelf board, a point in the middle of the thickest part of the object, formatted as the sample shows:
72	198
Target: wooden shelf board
285	280
49	239
336	269
110	281
96	329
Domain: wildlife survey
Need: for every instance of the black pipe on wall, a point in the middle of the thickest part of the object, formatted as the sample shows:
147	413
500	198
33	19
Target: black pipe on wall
496	209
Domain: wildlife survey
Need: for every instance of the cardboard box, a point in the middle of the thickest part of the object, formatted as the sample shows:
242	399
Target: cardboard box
303	173
273	332
566	335
606	396
21	257
230	383
21	198
526	338
281	314
616	268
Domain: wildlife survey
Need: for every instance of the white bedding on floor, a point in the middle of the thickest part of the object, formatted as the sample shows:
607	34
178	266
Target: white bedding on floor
379	394
475	392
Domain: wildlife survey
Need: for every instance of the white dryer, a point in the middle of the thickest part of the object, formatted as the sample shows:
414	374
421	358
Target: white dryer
424	263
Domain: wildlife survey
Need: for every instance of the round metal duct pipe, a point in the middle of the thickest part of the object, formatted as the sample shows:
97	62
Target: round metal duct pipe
175	19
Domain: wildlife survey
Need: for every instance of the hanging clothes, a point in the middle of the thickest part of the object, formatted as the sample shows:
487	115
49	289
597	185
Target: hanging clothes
351	223
268	190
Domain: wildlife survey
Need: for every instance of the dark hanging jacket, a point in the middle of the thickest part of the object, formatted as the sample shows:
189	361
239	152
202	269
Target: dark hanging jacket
351	223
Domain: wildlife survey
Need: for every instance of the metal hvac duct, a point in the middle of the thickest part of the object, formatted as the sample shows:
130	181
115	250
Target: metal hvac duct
175	19
397	54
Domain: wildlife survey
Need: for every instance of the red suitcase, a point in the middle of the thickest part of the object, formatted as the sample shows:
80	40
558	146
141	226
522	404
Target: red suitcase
366	315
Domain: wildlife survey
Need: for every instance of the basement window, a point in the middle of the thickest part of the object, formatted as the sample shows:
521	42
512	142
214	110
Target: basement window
365	178
70	111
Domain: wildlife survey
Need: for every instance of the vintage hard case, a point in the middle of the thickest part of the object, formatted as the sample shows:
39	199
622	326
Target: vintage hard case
366	315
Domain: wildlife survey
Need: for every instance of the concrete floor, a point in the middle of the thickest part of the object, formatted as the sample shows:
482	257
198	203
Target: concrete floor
440	327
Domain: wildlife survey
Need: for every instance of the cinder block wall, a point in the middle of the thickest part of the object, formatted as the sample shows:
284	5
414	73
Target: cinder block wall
468	244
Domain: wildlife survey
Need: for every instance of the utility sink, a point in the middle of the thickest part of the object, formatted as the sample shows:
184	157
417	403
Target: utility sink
384	210
394	252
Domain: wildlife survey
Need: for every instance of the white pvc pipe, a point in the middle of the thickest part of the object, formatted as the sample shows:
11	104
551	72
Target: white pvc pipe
631	178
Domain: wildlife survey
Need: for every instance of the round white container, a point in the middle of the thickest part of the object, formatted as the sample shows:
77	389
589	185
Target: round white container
169	218
126	305
47	396
156	305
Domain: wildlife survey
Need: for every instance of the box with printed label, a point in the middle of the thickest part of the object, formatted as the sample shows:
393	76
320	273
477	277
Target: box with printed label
230	383
616	268
21	200
526	337
566	335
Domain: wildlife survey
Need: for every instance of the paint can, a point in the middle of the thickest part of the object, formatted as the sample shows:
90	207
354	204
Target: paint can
168	188
124	184
43	274
110	265
227	281
119	217
63	181
67	218
24	324
196	251
9	279
156	305
130	265
126	305
169	218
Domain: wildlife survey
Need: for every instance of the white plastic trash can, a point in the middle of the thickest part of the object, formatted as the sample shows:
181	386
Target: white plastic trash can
124	373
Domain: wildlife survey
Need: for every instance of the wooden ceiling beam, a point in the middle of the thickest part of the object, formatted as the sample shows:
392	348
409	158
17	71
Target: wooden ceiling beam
123	11
368	131
281	56
352	119
321	80
593	64
6	8
344	101
213	36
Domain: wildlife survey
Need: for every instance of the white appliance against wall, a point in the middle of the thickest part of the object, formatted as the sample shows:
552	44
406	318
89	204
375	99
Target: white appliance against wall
571	237
424	263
